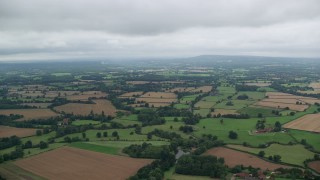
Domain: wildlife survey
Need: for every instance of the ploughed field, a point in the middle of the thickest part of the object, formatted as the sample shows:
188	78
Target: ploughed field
85	109
233	158
315	165
7	131
309	122
71	163
29	114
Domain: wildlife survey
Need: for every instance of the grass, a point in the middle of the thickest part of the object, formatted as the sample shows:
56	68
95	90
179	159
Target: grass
310	137
34	151
242	127
187	99
84	122
126	122
254	111
181	106
96	148
37	139
171	175
292	154
237	104
166	127
253	95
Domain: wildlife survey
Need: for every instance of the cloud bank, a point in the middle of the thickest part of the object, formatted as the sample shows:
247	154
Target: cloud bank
43	29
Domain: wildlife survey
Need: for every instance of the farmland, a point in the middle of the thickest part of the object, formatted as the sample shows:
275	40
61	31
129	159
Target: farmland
110	120
98	107
7	131
29	114
79	163
308	122
234	158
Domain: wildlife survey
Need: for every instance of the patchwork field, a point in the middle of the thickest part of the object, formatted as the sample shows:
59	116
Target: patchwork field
202	89
162	95
86	95
85	109
224	111
309	122
181	89
279	105
259	84
7	131
315	165
72	163
29	114
233	158
292	154
131	94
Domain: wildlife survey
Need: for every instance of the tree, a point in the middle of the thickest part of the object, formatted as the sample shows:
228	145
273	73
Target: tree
105	134
233	135
277	126
39	132
43	145
115	134
261	153
98	134
276	158
84	135
27	145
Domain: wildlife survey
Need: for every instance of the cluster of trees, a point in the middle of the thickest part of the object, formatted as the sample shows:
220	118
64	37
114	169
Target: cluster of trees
201	166
169	111
145	150
186	129
156	169
243	97
277	126
150	117
246	88
8	142
164	134
191	119
260	124
17	153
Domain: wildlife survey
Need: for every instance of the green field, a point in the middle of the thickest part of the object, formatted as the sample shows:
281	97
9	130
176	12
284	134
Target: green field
84	122
292	154
254	111
96	148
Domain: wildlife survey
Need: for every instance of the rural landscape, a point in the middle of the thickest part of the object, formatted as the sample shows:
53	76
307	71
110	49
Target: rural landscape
206	117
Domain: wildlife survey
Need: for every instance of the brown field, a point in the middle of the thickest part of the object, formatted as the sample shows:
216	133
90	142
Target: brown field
137	82
309	122
259	84
85	109
159	104
30	113
282	105
315	85
86	95
181	89
162	95
233	158
203	89
7	131
224	111
283	100
156	100
131	94
38	105
315	165
53	94
70	163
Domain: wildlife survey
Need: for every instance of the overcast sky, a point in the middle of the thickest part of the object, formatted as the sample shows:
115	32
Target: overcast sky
62	29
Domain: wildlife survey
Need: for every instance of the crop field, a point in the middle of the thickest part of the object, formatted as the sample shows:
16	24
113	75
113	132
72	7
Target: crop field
181	89
131	94
86	95
315	85
7	131
202	89
72	163
159	95
29	114
315	165
292	154
259	84
284	105
85	109
233	158
38	105
224	111
310	122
